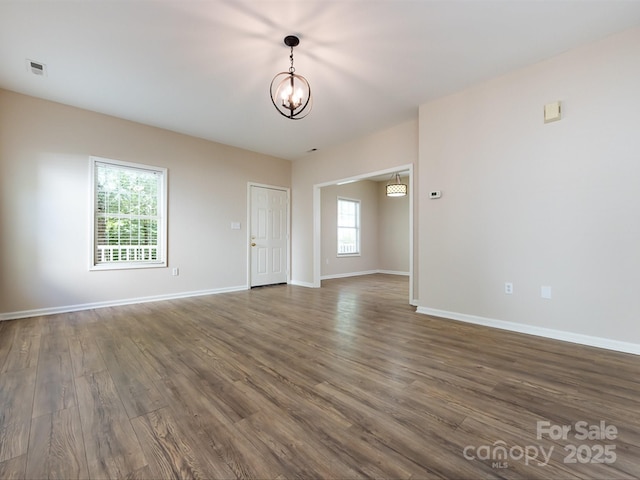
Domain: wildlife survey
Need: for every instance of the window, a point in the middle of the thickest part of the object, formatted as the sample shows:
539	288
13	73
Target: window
129	215
348	227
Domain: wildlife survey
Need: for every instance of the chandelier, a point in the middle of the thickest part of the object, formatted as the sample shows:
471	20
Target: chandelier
395	187
290	92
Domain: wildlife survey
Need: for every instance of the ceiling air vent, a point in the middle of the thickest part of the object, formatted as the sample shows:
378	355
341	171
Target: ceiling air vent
37	68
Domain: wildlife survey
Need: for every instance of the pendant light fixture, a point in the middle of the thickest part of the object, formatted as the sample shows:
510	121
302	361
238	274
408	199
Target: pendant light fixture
290	92
395	187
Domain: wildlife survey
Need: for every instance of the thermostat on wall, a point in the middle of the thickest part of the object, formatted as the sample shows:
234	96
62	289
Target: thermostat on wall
435	194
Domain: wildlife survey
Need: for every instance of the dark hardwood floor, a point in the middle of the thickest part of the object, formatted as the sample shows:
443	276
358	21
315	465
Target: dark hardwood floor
342	382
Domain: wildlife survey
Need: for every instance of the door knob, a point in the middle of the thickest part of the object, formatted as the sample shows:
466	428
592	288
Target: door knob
253	244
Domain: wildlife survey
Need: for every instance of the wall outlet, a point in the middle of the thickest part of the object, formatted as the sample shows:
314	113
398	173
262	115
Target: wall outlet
545	291
175	272
508	288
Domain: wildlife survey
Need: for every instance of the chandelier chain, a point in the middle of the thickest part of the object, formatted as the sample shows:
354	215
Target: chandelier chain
291	68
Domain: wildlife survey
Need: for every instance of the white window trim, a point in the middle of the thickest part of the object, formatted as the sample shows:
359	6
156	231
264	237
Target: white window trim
162	226
358	228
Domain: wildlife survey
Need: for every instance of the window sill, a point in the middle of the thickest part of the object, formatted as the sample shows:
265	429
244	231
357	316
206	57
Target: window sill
126	266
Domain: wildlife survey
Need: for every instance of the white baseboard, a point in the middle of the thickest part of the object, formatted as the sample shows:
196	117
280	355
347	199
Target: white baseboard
599	342
349	274
394	272
357	274
114	303
302	284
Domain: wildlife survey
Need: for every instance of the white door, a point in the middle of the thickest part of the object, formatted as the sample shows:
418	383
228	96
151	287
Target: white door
268	235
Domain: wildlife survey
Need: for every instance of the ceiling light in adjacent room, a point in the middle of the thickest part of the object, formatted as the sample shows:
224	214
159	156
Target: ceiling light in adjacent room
395	187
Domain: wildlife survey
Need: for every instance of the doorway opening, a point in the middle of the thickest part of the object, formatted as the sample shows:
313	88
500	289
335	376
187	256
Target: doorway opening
381	175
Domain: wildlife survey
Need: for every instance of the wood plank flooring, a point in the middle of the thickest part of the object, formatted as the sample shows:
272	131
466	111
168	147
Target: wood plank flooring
342	382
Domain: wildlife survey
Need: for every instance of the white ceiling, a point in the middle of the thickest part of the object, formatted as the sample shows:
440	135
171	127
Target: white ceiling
204	67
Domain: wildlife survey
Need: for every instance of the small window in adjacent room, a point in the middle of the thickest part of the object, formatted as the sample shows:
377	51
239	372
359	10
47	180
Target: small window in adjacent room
348	227
129	215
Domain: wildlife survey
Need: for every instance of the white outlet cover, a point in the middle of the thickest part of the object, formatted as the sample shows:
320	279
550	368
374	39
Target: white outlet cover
552	112
545	291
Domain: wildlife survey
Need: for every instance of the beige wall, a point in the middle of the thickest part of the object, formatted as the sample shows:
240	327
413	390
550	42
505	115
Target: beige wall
538	205
366	192
384	236
44	206
392	147
393	231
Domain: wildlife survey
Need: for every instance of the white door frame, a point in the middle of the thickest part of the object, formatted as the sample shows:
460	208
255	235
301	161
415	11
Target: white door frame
248	239
317	217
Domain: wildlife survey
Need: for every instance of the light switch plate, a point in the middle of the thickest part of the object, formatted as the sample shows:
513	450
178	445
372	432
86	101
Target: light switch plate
552	112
